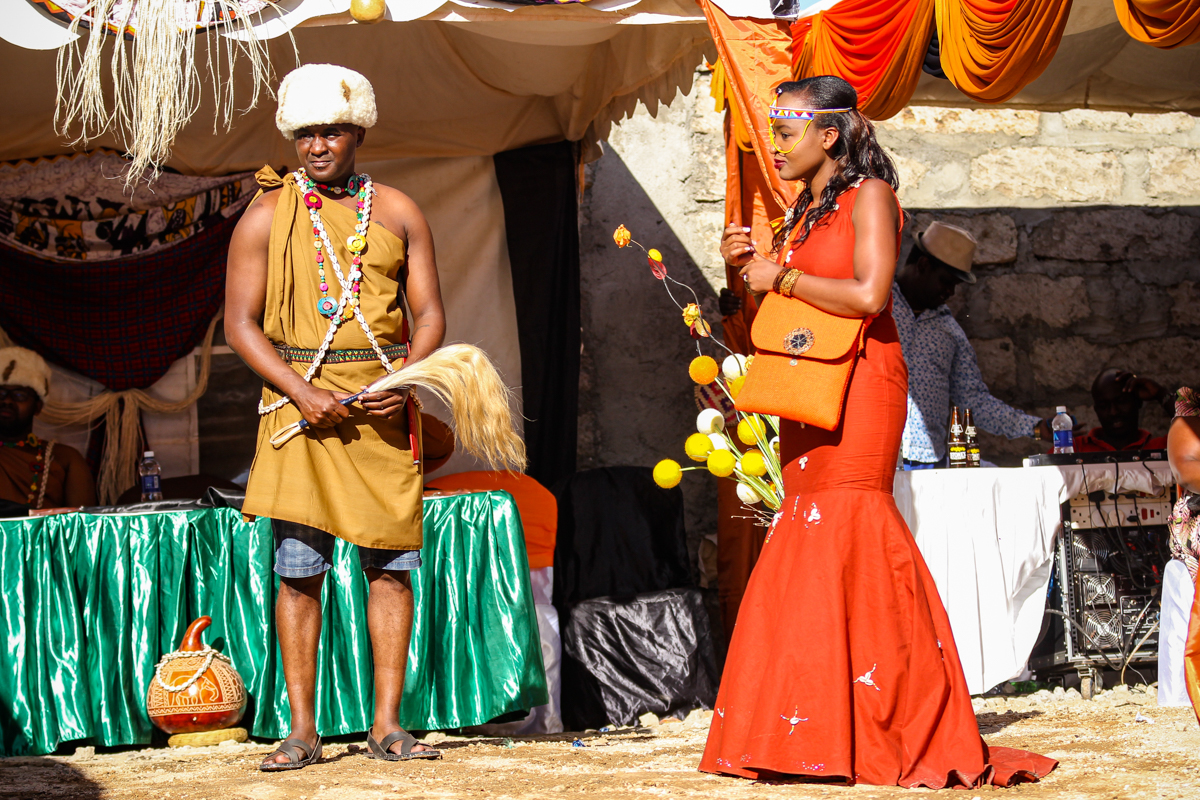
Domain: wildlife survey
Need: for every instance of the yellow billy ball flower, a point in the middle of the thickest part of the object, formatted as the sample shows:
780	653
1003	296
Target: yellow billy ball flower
654	254
668	473
698	447
703	370
753	463
749	429
721	463
735	386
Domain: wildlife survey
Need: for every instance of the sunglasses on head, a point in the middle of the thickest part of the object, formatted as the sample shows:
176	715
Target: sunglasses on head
805	115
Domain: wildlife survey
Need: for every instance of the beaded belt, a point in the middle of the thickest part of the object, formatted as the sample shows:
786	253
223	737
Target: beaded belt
306	356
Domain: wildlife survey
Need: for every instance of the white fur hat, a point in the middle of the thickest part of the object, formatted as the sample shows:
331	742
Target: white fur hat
21	367
324	94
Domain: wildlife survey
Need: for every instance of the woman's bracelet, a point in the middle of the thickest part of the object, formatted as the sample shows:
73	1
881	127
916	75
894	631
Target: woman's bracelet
778	279
789	280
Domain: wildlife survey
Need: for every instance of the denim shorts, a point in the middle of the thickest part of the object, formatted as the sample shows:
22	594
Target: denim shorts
302	551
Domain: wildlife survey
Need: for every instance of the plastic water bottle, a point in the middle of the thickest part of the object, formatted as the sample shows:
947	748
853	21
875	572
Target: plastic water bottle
1063	425
150	473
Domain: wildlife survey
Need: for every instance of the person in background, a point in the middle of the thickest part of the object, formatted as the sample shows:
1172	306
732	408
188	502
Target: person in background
1179	640
1117	397
942	369
34	472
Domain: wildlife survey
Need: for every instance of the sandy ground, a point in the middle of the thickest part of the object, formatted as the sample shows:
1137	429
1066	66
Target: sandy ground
1105	748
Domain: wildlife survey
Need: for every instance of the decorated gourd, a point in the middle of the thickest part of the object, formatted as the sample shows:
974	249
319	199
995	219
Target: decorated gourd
195	688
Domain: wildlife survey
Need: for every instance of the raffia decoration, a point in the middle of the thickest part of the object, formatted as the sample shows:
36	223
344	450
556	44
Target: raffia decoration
155	84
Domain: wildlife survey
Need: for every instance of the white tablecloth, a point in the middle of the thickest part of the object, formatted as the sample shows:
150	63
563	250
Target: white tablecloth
988	536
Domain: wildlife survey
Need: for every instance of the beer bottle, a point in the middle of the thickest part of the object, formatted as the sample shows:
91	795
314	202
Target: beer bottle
956	445
973	458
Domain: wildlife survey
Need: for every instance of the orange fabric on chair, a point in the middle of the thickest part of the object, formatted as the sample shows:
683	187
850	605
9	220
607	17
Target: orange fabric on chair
535	503
992	49
1163	23
878	46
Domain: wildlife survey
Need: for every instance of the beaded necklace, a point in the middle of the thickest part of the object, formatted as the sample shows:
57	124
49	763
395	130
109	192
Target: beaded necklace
42	455
360	185
348	306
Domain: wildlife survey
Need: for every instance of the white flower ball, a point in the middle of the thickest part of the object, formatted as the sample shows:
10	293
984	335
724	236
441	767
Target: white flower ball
710	421
718	441
734	366
775	445
747	495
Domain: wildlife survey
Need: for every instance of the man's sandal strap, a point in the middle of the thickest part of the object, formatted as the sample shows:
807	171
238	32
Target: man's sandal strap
296	750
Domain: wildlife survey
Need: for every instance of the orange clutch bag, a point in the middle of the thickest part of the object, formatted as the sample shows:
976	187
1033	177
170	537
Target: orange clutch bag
803	364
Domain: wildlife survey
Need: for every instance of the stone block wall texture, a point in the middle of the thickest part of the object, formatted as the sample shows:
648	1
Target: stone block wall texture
1089	230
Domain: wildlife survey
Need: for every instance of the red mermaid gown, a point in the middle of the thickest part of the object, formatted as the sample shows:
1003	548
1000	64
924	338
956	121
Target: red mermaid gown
842	664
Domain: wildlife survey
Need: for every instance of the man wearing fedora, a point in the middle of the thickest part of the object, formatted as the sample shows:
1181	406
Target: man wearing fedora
941	362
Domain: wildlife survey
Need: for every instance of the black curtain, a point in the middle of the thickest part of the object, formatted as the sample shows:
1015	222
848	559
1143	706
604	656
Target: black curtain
538	188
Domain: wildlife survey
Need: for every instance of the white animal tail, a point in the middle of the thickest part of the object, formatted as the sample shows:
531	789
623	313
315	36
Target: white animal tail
463	378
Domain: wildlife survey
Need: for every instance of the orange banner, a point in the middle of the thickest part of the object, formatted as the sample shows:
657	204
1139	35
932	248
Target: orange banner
1162	23
992	49
878	46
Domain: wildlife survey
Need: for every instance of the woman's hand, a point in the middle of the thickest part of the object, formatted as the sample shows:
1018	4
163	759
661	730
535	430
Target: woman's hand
386	404
321	407
760	274
737	248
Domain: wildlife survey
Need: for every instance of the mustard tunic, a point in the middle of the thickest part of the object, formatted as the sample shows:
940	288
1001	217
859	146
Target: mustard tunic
357	480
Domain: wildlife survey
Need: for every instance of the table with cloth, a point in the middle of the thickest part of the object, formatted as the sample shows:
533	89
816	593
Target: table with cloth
90	602
988	536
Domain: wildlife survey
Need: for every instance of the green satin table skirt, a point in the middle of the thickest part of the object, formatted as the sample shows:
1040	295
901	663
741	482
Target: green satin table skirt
91	602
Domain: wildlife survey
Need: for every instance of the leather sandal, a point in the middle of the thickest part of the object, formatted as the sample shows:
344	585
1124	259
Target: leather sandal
382	750
292	748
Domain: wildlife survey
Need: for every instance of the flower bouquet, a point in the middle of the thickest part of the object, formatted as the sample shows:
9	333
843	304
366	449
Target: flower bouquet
749	453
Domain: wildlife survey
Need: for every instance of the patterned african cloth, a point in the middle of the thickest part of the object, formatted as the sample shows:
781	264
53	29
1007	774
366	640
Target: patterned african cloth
74	208
123	17
114	287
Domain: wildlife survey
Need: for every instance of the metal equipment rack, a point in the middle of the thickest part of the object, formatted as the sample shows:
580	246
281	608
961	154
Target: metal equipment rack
1105	588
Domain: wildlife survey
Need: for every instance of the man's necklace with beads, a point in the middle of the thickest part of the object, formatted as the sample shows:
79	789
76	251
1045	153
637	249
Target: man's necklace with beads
348	306
38	448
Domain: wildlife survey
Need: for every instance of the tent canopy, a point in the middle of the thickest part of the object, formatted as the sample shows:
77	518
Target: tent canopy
457	78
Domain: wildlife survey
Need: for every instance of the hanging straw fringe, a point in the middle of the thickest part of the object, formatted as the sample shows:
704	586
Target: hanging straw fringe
155	82
122	417
463	378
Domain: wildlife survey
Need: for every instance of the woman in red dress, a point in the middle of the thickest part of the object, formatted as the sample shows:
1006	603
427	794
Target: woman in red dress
842	664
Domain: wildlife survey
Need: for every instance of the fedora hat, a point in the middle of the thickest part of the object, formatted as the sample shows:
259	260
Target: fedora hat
950	245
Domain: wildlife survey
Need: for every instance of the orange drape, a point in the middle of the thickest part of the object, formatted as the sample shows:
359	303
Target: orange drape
535	504
876	45
1162	23
992	49
1191	654
755	57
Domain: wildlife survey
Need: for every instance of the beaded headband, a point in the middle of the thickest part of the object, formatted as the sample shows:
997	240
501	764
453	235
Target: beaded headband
803	114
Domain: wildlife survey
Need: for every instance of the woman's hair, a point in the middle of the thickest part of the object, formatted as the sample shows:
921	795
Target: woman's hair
858	154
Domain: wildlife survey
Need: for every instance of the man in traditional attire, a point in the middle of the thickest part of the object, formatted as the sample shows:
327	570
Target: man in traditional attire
35	472
320	267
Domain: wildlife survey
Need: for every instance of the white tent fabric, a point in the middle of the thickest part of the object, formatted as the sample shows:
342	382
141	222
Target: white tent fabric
444	88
